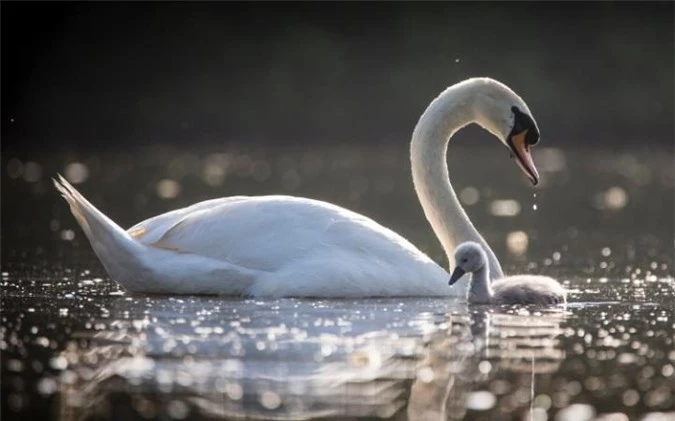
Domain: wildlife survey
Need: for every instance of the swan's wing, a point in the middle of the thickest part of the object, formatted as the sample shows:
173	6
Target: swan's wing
268	232
152	229
529	289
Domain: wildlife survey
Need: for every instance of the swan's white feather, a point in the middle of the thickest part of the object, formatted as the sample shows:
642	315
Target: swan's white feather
152	229
263	246
267	232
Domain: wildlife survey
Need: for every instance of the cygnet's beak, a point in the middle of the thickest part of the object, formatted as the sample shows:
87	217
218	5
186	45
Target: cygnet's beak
456	274
521	149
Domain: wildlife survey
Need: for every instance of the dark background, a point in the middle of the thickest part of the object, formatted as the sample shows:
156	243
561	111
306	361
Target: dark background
132	89
85	76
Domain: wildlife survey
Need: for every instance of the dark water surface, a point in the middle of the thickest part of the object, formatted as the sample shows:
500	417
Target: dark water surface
75	347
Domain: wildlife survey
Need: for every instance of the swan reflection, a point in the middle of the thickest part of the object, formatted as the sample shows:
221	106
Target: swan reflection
428	368
492	342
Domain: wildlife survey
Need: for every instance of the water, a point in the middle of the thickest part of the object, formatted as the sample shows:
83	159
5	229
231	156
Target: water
75	347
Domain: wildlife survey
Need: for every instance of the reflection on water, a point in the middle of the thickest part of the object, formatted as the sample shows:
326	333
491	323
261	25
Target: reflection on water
75	347
293	359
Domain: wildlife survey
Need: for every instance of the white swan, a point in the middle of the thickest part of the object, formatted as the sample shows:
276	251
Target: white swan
517	289
282	246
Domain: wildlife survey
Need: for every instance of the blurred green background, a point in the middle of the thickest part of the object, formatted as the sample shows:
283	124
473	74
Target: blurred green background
106	75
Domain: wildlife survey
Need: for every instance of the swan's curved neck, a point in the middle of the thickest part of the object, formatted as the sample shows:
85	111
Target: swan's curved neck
456	107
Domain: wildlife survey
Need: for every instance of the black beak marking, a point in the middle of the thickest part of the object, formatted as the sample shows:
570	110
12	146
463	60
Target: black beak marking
456	274
522	122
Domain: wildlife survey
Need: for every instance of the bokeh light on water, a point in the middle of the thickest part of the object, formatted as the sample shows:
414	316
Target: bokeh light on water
72	340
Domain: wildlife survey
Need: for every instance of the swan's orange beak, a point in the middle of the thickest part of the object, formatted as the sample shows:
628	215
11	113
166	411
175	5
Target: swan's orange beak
521	149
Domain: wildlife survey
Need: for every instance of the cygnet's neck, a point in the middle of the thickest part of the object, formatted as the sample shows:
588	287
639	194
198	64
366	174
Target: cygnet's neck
480	291
456	107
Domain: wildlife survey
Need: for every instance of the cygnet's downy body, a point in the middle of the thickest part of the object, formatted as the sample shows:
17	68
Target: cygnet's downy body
518	289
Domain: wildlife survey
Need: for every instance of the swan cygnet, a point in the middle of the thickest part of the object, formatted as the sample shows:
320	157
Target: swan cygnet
518	289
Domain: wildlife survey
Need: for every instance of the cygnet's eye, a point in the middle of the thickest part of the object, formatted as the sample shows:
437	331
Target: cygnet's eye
464	260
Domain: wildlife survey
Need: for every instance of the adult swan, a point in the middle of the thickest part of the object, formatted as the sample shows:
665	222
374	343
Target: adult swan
283	246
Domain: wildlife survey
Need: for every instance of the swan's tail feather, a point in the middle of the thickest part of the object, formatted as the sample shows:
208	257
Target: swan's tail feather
74	198
141	268
118	251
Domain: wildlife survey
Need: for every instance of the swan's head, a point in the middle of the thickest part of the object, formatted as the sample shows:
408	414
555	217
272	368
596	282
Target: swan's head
469	257
504	114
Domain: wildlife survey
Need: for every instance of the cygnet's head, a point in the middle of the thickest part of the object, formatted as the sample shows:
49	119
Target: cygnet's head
503	113
469	257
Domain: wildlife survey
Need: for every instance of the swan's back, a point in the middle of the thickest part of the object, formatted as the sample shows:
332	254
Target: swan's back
528	289
240	229
300	247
